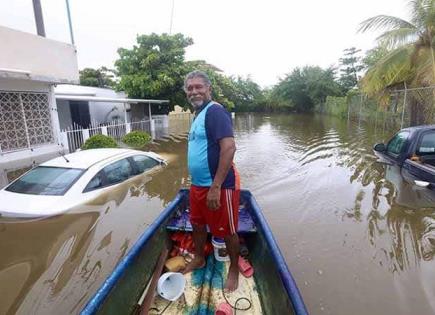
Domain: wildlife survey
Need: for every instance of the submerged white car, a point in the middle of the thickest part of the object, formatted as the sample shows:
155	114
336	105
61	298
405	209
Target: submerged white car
61	183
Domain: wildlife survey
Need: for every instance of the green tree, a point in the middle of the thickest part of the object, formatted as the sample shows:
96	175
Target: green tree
248	94
410	61
304	88
101	77
223	88
350	66
373	56
154	68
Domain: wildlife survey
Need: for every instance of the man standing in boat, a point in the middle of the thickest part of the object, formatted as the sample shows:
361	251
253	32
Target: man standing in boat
215	190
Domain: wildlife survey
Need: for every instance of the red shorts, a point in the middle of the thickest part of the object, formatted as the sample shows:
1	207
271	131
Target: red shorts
223	221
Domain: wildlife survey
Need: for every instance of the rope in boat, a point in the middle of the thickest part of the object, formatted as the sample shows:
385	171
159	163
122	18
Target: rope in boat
164	310
234	307
223	294
237	301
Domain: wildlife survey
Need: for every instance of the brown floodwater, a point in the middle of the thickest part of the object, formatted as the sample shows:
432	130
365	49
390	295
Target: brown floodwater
357	236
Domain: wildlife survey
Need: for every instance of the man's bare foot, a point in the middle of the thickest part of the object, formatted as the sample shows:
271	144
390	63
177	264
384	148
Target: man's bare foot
196	263
232	279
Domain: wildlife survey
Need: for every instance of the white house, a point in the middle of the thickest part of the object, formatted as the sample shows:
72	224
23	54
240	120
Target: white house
30	66
82	106
85	111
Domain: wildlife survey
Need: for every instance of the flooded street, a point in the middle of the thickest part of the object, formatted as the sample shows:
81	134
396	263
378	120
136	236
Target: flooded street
357	237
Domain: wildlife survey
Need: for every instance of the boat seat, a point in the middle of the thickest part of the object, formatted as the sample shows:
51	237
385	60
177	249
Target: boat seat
182	222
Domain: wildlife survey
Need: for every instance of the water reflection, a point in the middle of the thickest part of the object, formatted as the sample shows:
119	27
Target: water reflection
30	250
408	222
356	235
54	265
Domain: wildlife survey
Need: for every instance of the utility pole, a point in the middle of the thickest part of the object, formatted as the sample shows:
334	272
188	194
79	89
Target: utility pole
69	21
172	17
37	10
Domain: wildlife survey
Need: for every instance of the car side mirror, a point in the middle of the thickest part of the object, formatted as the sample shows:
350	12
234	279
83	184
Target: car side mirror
380	147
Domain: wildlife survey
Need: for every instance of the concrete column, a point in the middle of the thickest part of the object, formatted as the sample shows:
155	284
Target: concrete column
125	113
55	124
153	128
64	141
104	130
85	133
3	178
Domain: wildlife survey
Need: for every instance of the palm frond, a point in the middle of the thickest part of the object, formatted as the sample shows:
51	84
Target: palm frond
398	37
425	68
390	70
384	22
422	13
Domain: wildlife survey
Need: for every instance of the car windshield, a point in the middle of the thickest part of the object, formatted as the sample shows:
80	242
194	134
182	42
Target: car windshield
44	180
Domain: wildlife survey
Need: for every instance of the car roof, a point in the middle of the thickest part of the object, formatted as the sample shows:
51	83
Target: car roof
86	158
427	127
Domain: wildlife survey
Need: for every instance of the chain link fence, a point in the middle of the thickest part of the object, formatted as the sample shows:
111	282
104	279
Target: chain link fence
402	108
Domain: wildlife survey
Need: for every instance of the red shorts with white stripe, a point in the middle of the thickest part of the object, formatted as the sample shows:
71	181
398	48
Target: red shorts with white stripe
222	221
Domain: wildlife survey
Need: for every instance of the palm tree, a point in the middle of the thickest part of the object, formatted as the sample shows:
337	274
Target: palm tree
410	60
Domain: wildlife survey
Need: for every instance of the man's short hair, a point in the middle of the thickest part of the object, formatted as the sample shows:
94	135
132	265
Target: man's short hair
197	74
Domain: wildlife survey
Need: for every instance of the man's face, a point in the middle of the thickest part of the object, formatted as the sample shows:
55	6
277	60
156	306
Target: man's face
197	92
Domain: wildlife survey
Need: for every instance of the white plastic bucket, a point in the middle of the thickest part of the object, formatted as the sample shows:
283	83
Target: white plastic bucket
218	246
171	285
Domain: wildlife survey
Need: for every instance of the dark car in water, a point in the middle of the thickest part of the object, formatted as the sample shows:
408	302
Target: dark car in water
412	149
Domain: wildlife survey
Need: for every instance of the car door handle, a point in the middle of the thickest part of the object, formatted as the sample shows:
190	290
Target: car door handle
421	183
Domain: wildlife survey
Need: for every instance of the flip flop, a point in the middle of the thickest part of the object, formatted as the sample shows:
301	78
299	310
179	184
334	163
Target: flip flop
224	309
245	267
244	252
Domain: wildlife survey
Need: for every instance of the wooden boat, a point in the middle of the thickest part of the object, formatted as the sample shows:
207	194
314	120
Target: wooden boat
271	290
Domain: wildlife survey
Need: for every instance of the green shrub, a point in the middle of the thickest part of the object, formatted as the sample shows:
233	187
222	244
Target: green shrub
99	141
136	139
336	106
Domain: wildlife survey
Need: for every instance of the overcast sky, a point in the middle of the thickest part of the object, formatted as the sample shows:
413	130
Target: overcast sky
262	38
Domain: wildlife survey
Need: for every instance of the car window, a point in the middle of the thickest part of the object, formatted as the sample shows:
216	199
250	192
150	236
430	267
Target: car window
95	183
118	171
427	144
144	163
396	145
44	180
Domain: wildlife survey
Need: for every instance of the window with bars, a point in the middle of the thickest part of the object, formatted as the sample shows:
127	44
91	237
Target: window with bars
25	120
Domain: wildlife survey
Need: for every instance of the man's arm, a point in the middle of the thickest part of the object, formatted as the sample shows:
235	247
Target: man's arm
227	150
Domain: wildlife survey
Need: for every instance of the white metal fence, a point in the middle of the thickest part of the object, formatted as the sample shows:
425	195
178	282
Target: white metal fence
74	137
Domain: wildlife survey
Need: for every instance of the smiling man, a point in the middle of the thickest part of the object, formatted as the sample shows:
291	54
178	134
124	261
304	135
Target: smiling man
215	191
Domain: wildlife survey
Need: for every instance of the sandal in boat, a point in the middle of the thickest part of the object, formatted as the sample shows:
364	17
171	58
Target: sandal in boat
245	267
224	309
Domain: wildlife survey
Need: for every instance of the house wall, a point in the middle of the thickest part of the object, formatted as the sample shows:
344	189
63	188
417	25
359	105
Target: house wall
23	85
7	85
100	112
26	157
31	64
38	58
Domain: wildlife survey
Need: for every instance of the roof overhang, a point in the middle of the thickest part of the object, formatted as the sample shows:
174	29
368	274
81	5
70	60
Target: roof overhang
107	99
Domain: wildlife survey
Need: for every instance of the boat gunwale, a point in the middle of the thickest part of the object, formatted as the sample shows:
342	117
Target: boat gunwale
287	279
103	292
283	270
